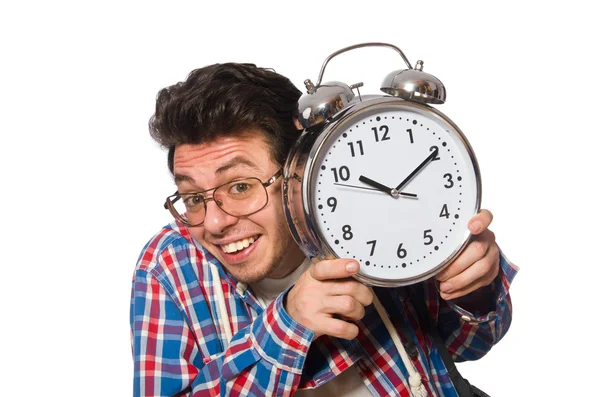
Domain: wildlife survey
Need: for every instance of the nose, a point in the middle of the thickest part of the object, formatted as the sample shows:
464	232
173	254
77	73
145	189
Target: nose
216	221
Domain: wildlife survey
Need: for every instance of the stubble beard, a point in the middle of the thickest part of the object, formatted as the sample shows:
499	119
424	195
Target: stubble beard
280	265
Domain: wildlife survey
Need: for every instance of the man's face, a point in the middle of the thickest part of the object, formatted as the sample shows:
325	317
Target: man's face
273	253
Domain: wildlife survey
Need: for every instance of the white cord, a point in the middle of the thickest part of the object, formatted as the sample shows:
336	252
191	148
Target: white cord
417	388
224	318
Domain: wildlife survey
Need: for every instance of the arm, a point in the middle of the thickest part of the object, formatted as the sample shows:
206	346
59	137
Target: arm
471	333
171	358
475	309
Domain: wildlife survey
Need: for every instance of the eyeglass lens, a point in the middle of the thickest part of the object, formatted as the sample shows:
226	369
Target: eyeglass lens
237	198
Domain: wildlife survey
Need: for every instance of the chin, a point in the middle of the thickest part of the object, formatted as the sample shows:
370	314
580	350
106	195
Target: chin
249	275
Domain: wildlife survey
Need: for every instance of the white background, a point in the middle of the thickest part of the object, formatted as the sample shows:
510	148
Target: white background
83	184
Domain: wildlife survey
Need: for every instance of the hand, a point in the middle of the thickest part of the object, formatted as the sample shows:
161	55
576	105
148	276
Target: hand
477	265
367	188
416	170
325	290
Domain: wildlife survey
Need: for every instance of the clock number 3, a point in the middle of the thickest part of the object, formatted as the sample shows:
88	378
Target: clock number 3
450	181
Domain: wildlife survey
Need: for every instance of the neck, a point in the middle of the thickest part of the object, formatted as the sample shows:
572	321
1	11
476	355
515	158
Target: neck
290	263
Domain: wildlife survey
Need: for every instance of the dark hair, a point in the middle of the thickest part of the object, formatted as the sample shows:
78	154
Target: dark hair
226	100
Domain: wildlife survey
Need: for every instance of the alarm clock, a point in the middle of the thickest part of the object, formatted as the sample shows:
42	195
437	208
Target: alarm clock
387	180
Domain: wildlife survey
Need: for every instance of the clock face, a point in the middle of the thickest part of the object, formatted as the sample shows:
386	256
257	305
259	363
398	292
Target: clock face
406	234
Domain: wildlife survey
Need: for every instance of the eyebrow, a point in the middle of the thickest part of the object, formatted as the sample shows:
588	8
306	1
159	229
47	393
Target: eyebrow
235	162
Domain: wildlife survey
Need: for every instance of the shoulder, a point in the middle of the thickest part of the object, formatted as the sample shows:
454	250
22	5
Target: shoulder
169	251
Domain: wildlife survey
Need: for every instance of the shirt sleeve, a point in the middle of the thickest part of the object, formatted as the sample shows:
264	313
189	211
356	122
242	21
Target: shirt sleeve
469	336
267	355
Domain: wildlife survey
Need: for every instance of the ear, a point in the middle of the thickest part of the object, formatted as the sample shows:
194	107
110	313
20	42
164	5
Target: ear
297	123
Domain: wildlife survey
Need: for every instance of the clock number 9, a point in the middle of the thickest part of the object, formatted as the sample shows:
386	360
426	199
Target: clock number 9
332	202
401	252
344	173
347	232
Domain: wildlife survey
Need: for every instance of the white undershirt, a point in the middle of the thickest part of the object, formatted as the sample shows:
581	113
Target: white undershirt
349	383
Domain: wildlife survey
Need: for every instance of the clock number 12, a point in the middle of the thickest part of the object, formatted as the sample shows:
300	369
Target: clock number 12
385	130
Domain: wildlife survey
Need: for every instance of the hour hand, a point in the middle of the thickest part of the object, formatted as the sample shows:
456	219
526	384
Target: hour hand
379	186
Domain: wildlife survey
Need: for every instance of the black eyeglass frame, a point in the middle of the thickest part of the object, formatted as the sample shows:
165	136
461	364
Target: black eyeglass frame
176	196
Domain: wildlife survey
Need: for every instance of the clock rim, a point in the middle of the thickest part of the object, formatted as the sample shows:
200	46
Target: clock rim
314	140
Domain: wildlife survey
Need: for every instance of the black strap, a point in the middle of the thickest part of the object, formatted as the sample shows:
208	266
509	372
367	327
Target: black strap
462	386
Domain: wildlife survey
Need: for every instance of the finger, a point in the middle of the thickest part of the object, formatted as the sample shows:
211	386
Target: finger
479	274
476	250
480	222
352	288
344	305
334	269
339	328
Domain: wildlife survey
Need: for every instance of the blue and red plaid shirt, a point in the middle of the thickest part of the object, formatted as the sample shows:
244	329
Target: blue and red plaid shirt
180	347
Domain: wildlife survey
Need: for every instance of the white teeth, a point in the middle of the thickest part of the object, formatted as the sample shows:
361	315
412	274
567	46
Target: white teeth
237	245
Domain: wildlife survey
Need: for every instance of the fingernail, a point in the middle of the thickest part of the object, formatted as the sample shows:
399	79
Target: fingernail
476	226
445	287
352	266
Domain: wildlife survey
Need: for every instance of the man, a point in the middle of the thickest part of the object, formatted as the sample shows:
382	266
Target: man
223	300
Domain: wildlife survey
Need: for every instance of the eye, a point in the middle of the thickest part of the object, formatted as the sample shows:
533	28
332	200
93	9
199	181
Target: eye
240	188
192	202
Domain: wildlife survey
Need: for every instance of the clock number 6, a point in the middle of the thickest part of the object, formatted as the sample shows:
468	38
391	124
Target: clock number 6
401	252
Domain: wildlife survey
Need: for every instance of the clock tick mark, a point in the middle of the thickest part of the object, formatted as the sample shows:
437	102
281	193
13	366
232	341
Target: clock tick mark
344	135
459	178
336	241
436	248
323	168
378	118
320	205
444	143
404	264
415	122
367	263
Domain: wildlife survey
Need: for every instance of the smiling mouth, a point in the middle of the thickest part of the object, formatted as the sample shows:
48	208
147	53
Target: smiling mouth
239	245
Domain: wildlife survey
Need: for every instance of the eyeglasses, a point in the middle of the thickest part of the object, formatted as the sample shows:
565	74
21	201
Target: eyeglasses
240	197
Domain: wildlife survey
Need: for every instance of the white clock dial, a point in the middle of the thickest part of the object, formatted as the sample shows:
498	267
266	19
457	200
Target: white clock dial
403	236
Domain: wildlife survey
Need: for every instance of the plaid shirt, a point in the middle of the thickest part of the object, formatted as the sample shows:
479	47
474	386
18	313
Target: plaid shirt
180	347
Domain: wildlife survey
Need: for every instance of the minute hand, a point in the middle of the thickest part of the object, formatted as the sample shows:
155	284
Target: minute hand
416	170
